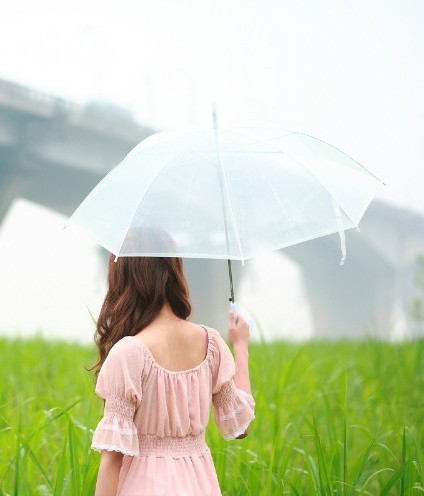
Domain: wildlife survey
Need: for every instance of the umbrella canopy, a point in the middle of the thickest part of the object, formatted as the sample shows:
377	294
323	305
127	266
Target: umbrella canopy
228	193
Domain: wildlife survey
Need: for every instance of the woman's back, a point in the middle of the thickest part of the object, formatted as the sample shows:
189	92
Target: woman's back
159	386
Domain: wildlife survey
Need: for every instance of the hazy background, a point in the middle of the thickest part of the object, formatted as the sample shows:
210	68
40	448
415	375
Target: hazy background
349	73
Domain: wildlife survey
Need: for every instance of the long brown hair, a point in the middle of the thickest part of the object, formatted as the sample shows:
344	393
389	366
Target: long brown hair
138	289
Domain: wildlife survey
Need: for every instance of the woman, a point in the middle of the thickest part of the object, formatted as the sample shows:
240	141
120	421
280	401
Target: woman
159	374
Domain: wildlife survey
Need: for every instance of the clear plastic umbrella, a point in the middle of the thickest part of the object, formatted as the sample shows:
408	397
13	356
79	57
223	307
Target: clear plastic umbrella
228	193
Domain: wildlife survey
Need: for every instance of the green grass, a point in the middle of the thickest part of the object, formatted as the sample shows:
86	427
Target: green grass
332	418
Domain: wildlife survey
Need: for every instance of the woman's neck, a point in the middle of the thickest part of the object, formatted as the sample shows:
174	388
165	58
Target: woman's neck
166	314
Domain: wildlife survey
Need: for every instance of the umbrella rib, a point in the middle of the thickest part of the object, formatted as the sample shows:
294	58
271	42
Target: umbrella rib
311	174
227	191
166	164
316	139
323	185
345	154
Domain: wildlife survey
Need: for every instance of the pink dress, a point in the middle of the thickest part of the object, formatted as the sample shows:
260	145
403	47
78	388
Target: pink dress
157	417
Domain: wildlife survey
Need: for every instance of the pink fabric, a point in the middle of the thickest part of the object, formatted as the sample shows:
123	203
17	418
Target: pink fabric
157	417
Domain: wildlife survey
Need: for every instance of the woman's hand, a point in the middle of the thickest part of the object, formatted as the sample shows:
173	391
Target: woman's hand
238	331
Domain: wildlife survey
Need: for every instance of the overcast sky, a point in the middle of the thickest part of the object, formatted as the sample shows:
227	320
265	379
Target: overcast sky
350	73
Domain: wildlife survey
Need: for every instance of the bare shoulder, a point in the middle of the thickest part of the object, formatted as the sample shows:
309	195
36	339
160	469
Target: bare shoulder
195	329
175	345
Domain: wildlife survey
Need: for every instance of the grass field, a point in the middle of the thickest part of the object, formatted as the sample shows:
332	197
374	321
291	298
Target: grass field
343	418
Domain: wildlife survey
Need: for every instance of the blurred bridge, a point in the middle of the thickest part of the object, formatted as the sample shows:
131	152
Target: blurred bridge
53	152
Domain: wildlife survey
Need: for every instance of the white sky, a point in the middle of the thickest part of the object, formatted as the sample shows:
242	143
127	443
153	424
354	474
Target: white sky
350	73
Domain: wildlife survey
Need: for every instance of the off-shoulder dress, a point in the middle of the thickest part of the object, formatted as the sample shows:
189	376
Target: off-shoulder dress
157	417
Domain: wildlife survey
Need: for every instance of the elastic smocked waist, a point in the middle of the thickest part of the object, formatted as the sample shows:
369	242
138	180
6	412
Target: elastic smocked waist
150	444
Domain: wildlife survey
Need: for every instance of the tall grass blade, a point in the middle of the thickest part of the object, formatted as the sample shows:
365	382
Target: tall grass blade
73	454
322	467
392	481
61	468
402	480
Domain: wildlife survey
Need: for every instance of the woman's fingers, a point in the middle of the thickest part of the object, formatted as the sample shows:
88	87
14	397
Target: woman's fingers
238	330
232	323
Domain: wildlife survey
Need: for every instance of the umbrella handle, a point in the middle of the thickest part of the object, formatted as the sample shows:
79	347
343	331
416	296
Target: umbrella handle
233	307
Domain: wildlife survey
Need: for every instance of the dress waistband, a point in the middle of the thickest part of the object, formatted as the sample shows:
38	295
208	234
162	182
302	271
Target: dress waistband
151	444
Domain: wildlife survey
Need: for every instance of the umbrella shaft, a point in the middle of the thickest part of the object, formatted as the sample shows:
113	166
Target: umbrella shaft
230	273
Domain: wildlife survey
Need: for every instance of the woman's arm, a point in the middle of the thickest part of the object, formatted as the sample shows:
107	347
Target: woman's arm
238	335
241	358
107	478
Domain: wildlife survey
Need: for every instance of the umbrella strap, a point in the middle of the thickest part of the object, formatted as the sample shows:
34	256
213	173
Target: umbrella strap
340	228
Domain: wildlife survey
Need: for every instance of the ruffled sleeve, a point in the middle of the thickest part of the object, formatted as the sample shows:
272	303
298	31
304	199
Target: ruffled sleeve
119	384
233	408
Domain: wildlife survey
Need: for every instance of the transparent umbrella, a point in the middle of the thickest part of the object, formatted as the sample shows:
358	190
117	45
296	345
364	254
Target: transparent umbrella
226	193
